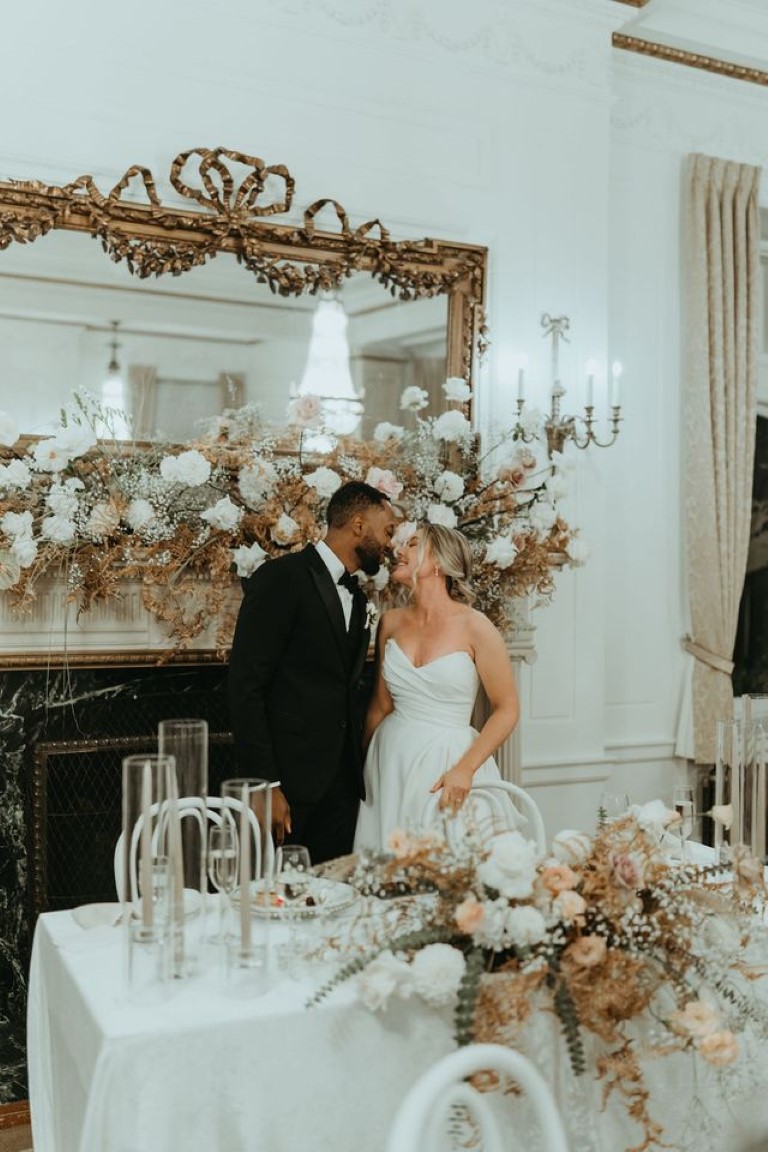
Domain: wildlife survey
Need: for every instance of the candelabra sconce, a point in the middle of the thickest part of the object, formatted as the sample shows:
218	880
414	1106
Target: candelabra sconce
578	429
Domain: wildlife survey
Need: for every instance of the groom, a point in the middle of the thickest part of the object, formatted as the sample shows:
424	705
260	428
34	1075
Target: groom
294	673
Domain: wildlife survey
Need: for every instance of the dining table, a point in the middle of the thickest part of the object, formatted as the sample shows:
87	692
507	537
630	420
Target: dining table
208	1065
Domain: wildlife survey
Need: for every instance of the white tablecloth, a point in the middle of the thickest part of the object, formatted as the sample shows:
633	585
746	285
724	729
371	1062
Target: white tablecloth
205	1072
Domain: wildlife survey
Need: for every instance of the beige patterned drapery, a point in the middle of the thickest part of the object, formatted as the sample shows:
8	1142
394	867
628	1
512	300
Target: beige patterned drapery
721	270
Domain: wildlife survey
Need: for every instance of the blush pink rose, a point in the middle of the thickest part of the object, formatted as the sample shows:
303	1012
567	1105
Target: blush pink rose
384	481
469	915
588	951
628	869
558	877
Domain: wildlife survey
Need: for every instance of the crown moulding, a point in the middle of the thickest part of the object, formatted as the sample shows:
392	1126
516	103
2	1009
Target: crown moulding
689	59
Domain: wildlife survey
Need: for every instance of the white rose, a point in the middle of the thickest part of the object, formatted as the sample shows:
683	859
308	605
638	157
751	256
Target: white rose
304	411
247	560
285	530
384	481
224	515
525	926
139	514
324	481
256	481
571	846
103	520
452	426
386	431
442	514
9	430
76	440
10	570
511	866
500	552
15	474
413	399
436	972
49	456
379	979
58	529
24	548
61	500
449	486
16	524
190	468
542	516
653	818
578	553
73	484
456	388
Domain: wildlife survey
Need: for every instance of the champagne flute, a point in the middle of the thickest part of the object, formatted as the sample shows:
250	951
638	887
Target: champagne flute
222	868
682	798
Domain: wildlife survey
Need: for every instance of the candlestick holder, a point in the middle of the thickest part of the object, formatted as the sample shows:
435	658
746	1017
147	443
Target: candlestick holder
559	429
247	810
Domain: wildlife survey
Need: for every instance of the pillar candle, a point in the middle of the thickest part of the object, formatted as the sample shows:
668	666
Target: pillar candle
146	845
245	872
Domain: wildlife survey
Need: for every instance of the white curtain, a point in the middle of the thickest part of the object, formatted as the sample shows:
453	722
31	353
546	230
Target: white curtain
721	271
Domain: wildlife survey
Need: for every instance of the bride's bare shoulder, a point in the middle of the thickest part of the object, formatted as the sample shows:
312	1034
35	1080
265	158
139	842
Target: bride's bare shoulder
390	621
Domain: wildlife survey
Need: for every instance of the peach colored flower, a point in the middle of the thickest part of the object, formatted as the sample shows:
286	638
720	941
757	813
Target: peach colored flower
719	1048
558	877
570	906
588	951
469	915
400	843
697	1018
511	475
628	869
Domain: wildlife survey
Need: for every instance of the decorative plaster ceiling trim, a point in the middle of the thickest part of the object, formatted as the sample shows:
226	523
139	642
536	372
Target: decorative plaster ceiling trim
634	3
689	59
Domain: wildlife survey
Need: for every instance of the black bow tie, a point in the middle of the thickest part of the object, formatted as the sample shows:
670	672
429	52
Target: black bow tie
348	581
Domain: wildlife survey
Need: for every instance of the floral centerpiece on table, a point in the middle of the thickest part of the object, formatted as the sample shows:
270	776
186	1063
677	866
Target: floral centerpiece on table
606	929
184	520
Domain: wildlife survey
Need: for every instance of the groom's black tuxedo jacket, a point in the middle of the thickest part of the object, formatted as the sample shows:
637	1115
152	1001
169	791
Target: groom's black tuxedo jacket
294	678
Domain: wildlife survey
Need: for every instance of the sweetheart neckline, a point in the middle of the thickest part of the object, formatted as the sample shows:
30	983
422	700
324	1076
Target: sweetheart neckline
429	663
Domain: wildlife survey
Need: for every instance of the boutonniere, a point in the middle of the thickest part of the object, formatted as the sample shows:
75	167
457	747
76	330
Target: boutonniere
371	614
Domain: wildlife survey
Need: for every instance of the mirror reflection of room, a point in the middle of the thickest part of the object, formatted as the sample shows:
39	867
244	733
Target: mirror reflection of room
175	353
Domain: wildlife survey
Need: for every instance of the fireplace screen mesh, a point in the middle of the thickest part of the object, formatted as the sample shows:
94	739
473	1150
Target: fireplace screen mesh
76	814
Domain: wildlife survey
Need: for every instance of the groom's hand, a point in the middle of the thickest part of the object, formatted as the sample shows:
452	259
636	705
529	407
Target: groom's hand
281	816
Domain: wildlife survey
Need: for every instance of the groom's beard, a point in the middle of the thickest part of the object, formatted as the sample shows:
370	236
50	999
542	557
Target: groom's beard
370	556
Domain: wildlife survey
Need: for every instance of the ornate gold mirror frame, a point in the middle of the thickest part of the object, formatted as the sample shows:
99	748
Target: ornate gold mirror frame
236	200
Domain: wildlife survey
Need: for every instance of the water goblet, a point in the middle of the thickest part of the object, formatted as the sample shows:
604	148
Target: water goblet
222	869
293	870
682	798
612	806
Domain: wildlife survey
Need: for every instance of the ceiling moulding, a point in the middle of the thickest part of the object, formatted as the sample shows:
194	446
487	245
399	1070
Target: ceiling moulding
689	59
634	3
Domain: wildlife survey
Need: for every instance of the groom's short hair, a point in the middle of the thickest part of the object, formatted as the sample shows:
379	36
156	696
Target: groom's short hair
351	499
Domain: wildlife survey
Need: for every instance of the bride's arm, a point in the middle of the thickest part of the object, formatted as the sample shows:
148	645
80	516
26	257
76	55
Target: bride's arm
381	703
498	680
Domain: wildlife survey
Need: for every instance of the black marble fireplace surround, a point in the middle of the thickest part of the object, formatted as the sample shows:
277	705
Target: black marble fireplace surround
63	733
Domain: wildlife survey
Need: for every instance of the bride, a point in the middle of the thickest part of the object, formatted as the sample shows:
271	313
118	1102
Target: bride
431	658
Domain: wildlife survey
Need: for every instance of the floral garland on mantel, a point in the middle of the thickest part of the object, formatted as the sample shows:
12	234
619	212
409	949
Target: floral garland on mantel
186	520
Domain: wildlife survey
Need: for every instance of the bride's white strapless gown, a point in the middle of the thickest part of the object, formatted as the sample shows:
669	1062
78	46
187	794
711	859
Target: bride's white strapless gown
428	732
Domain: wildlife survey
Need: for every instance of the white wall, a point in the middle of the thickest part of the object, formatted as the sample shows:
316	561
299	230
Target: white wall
511	125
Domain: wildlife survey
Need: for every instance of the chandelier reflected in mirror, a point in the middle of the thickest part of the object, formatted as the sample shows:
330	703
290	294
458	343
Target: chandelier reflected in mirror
327	373
579	429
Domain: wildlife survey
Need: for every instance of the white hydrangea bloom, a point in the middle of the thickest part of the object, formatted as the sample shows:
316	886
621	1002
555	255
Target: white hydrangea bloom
10	570
248	559
578	553
285	530
457	389
449	486
76	440
442	514
190	468
413	399
58	529
9	430
501	552
386	431
24	548
542	516
61	500
139	514
452	426
511	866
653	818
256	481
379	979
436	972
15	524
324	481
525	926
491	931
224	515
15	474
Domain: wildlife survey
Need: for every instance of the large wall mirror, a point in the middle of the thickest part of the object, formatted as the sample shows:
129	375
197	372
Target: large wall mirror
121	293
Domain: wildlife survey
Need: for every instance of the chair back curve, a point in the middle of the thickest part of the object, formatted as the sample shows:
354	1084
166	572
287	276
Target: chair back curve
421	1123
504	803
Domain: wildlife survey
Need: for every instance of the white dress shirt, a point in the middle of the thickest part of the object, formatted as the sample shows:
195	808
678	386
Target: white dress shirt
336	569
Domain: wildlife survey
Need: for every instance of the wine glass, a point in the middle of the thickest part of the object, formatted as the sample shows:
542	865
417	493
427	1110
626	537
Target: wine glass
293	869
222	867
612	806
682	798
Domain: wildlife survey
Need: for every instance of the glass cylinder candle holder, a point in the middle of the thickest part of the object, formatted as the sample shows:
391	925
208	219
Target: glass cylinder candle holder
247	807
184	839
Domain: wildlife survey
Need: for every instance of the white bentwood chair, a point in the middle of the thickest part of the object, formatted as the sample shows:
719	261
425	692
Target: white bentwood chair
423	1119
190	808
502	803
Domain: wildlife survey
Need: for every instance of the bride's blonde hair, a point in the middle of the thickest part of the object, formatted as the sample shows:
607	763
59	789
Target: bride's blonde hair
452	556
